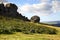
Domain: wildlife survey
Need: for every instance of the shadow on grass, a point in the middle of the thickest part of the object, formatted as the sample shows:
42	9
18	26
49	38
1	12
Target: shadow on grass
6	33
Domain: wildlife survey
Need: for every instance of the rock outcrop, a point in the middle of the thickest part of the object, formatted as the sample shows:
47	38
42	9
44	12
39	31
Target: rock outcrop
10	10
2	9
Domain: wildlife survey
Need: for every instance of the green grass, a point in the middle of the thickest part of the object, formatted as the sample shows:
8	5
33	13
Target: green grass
16	29
21	36
15	25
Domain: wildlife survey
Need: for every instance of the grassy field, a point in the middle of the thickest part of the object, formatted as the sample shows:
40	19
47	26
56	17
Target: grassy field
22	36
7	23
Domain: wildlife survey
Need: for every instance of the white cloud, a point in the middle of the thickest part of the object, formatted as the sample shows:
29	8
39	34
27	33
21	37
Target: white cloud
43	8
36	8
45	0
56	5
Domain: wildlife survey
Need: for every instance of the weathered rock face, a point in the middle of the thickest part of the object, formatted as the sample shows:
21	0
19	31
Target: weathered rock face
35	19
10	10
2	8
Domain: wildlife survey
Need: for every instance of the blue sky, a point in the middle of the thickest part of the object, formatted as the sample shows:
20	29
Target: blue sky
22	2
29	8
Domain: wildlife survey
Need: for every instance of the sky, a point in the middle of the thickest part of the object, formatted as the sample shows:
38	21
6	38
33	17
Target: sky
47	10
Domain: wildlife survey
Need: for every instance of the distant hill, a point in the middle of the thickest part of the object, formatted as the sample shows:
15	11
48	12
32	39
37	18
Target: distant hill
54	23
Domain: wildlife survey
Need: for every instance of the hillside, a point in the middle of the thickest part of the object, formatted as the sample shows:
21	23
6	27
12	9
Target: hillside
7	23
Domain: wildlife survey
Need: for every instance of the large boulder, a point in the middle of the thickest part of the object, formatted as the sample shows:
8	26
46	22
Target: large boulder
35	19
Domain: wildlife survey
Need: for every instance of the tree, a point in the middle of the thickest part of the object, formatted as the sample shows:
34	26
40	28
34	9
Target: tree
35	19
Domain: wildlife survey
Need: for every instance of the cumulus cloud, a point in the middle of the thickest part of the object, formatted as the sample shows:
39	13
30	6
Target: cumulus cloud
45	7
36	8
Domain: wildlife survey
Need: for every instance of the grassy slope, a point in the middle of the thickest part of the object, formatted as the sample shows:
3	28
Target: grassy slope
57	28
21	36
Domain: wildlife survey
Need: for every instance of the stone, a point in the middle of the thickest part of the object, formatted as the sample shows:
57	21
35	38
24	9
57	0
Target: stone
35	19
